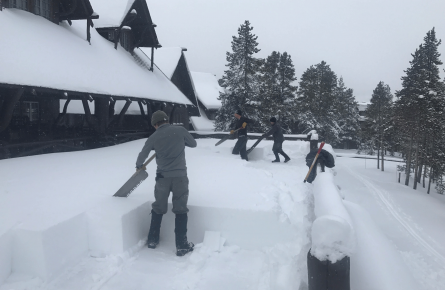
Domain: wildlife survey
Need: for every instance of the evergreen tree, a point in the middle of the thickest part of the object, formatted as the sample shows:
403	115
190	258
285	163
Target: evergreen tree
348	115
419	112
379	120
277	93
241	80
315	102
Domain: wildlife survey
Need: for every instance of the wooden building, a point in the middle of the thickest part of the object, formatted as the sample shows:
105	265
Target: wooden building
54	61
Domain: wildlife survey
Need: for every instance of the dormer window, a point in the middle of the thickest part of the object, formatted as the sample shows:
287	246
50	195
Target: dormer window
19	4
43	8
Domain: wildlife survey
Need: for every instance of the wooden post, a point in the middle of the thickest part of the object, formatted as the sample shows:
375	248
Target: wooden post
8	108
152	57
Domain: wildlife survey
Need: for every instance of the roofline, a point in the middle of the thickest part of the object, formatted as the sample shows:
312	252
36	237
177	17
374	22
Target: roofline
77	95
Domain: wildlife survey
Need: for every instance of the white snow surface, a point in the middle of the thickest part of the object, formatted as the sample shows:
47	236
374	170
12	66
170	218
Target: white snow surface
202	123
262	210
207	89
166	58
66	61
111	13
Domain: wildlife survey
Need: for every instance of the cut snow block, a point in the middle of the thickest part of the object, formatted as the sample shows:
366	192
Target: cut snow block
212	240
117	225
256	154
5	255
44	248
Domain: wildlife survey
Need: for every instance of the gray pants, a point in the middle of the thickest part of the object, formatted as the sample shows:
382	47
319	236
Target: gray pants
179	186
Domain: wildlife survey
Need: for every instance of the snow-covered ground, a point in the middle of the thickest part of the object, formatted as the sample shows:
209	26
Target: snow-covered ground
262	210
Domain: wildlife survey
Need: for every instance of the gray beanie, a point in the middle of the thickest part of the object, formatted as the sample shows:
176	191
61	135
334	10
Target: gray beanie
158	116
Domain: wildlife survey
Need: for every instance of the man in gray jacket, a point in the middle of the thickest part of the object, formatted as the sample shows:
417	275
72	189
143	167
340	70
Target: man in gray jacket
171	176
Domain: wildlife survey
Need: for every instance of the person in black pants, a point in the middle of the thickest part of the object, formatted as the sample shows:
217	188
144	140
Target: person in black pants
278	139
240	146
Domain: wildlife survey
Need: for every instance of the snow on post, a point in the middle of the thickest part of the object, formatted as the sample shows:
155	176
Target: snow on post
333	236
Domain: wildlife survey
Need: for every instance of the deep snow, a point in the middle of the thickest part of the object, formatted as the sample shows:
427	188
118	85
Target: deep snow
394	225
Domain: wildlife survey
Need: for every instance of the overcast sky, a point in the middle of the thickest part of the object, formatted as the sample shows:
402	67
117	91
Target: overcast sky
362	40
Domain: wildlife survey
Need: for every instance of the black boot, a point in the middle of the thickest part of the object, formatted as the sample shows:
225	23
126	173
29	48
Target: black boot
155	228
182	245
277	157
286	157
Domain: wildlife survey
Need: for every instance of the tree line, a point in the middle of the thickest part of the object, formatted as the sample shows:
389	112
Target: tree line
414	122
263	88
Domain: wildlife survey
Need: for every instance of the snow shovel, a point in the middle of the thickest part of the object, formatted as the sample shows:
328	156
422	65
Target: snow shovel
134	181
313	162
254	145
226	137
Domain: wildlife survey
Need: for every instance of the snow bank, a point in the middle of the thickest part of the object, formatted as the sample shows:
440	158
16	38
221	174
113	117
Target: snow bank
333	235
5	255
376	262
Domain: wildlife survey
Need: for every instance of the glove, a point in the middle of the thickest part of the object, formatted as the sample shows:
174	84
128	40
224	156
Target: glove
244	125
232	131
141	167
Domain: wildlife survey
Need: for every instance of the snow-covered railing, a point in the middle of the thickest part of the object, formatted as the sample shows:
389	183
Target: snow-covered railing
332	232
333	237
212	134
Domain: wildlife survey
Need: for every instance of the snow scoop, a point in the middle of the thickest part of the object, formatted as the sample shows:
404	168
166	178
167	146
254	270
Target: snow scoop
254	145
134	181
226	137
313	162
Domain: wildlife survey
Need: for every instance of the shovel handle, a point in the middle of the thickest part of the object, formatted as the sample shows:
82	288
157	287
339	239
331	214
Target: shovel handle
313	162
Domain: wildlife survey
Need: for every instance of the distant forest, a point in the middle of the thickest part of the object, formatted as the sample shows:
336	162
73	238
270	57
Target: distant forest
412	124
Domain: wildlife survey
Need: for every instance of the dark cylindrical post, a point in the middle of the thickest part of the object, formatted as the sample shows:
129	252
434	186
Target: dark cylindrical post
324	275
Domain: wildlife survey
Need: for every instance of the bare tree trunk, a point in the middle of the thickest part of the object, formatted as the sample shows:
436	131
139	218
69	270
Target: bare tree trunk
416	157
408	160
378	157
429	181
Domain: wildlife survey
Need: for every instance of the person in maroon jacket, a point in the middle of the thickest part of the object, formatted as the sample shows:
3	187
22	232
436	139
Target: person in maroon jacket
240	146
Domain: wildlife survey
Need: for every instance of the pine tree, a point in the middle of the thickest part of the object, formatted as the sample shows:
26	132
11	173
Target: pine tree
379	120
277	92
241	80
348	115
315	102
419	112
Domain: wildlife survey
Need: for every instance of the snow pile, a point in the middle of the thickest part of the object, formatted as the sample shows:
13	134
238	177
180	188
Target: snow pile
259	208
333	236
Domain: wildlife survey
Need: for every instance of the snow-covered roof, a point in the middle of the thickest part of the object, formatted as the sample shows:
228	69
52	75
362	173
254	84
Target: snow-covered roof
111	12
37	52
166	58
207	89
362	106
202	123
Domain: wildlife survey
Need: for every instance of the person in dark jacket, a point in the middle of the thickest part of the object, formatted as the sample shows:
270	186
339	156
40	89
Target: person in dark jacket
171	176
324	159
278	139
240	146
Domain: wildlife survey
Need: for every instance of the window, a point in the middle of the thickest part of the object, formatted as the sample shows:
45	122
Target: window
111	35
19	4
31	110
42	7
